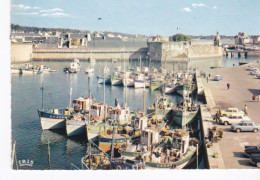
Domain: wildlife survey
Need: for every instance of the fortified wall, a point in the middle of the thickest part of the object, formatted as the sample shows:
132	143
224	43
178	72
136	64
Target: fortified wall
181	51
21	52
84	54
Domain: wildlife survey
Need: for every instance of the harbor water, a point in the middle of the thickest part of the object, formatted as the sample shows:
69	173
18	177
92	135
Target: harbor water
32	142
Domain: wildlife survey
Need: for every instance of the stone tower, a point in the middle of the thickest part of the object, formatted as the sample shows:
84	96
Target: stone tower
217	40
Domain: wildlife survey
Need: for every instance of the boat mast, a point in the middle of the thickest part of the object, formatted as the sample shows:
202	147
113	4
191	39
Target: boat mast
112	145
125	85
42	89
144	99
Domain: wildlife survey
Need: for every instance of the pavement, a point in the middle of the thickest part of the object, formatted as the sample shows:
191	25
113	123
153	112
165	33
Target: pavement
242	88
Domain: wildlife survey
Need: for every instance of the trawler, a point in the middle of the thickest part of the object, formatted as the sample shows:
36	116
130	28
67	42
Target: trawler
176	151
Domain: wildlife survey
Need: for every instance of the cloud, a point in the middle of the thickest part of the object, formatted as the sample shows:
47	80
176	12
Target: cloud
21	6
186	9
198	5
215	7
56	14
29	13
52	10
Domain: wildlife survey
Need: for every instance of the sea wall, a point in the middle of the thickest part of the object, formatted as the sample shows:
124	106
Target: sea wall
84	54
181	51
21	52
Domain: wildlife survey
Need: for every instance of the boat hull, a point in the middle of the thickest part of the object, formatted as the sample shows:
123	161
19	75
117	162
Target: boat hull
180	164
182	118
128	83
140	84
116	81
74	128
51	120
101	80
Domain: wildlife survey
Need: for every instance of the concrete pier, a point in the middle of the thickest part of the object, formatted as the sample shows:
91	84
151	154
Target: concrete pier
242	87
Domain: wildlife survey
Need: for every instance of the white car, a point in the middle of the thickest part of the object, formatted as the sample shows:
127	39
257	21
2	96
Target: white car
233	119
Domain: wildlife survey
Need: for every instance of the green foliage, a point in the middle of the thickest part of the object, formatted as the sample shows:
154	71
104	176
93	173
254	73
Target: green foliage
180	37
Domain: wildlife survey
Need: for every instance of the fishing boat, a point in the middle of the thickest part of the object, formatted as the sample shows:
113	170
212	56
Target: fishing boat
156	84
100	161
128	82
120	114
161	106
185	88
176	151
74	67
76	124
54	118
89	69
170	88
184	112
29	69
96	124
115	79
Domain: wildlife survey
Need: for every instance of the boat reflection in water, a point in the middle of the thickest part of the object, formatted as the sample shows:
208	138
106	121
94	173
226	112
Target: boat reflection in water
53	136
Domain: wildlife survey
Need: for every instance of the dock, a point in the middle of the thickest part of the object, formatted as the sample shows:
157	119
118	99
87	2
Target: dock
242	87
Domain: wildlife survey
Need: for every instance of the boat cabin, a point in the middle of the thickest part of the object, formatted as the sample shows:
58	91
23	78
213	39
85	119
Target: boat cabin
82	104
150	137
97	110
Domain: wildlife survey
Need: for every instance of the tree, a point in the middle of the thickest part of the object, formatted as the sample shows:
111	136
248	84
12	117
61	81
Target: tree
180	37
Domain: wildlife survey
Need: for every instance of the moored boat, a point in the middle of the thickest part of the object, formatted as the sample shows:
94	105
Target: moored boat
54	118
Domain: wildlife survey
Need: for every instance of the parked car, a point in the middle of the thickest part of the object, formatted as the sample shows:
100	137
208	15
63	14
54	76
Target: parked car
233	119
249	150
231	111
217	78
245	126
254	71
255	159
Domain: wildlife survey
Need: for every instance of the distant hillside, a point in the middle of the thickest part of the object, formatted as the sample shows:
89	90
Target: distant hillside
37	29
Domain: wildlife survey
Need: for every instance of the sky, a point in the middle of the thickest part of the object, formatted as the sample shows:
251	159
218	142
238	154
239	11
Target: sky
148	17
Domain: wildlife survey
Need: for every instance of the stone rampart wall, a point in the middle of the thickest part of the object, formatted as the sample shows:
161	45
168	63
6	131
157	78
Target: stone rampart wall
181	51
21	52
84	54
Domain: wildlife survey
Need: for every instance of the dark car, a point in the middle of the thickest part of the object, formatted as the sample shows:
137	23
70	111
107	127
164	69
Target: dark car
251	150
255	159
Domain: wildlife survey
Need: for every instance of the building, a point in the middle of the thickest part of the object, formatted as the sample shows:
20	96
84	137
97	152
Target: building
242	38
77	40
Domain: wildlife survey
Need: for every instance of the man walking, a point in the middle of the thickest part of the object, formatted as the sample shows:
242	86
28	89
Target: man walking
228	86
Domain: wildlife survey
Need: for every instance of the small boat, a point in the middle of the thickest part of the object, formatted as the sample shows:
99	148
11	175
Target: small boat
43	69
89	69
16	71
170	88
74	67
92	61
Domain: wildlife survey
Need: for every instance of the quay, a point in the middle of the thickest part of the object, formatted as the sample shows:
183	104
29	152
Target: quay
242	87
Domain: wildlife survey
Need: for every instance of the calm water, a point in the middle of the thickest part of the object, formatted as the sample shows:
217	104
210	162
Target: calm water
32	142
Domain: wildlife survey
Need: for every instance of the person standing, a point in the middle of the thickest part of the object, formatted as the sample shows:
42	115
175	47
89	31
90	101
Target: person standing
228	86
245	110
